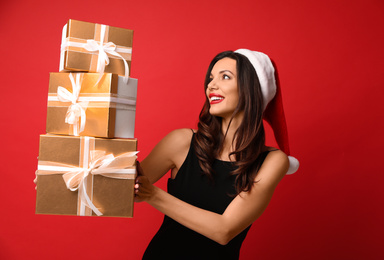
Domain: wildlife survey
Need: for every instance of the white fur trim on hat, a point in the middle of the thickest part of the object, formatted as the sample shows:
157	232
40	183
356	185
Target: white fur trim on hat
265	72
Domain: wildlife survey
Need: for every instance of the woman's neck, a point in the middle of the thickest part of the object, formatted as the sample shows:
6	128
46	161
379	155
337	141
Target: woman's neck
229	129
230	125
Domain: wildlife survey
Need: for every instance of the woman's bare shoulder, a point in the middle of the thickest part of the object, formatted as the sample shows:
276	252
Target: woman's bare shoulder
275	165
178	140
278	155
178	143
180	136
169	153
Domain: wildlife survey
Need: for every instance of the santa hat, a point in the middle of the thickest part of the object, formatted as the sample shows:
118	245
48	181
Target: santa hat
272	101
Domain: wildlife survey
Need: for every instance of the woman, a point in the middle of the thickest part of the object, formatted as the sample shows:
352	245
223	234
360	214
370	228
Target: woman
222	175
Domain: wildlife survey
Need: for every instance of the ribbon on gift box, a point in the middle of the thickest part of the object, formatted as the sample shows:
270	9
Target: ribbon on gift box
104	50
92	162
76	113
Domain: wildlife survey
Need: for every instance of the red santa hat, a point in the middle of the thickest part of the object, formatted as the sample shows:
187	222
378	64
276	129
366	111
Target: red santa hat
272	101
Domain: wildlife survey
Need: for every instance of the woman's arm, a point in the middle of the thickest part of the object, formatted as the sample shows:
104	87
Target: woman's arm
240	213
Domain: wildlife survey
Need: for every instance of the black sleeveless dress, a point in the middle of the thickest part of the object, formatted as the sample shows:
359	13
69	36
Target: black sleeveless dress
175	241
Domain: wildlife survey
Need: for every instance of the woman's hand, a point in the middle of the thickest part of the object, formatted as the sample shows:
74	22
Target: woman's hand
144	190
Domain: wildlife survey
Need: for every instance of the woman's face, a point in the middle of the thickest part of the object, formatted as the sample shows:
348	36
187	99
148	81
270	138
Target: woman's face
222	90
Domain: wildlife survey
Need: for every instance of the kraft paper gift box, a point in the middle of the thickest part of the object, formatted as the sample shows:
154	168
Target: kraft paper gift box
74	178
83	104
92	47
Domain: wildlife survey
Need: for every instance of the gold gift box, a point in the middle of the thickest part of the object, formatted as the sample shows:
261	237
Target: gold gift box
113	197
109	105
76	55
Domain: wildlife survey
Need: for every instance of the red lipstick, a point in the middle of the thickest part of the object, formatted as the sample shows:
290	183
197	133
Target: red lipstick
215	98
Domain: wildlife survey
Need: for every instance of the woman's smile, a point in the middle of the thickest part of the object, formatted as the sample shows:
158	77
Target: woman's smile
215	98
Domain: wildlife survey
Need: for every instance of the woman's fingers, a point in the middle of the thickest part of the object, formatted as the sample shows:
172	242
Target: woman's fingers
143	188
139	194
35	180
139	173
137	187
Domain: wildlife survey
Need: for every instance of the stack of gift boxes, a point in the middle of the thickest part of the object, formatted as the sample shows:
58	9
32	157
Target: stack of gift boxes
86	163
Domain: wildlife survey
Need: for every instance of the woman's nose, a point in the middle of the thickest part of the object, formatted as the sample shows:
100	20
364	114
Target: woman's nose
212	85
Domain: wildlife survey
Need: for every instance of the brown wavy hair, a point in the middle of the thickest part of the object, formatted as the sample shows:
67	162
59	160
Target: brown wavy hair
249	138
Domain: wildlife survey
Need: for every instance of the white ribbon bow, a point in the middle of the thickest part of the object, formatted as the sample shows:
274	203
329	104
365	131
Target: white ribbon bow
76	111
103	49
101	164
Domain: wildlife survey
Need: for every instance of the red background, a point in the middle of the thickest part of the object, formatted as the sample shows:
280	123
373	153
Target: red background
330	59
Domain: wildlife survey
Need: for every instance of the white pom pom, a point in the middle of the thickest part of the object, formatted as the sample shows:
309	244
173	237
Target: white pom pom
293	165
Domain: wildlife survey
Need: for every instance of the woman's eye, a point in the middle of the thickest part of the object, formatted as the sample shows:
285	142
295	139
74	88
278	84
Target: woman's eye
226	77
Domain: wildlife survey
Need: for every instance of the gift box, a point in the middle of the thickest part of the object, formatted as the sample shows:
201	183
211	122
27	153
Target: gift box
83	104
86	176
92	47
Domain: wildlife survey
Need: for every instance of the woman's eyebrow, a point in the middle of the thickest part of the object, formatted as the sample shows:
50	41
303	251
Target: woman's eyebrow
223	71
